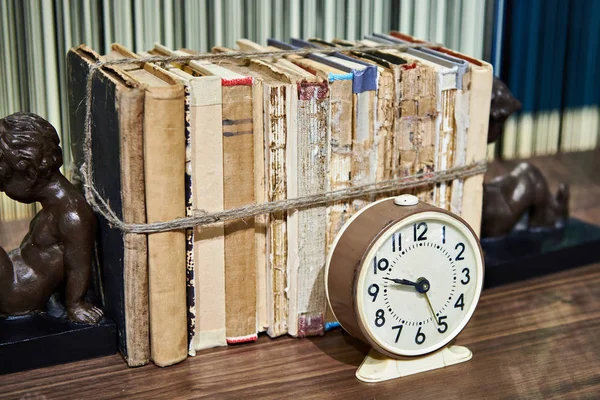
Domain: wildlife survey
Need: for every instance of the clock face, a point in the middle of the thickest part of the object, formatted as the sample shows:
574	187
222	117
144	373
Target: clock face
419	284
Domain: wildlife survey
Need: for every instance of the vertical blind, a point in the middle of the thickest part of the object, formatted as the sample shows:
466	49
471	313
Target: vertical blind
36	35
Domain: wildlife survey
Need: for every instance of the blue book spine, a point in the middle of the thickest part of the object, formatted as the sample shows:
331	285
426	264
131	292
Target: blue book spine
286	46
362	80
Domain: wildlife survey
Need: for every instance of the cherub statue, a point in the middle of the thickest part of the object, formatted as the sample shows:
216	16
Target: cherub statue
523	193
56	254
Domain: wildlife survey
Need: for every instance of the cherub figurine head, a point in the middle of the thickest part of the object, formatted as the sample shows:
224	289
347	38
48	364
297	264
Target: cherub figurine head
29	156
504	104
57	251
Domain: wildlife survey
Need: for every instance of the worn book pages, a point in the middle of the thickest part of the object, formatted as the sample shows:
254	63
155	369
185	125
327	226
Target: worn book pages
340	131
389	76
479	88
364	86
340	143
276	102
306	174
478	85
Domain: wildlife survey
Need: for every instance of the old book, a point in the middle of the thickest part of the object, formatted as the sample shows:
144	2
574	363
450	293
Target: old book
479	86
164	166
272	102
472	111
364	86
340	141
117	130
306	175
340	128
479	110
204	191
452	145
427	123
390	67
261	222
238	190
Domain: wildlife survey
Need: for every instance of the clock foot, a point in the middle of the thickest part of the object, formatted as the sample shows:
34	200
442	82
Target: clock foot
377	368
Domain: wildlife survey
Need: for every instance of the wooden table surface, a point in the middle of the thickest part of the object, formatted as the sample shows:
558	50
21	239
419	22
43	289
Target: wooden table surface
533	339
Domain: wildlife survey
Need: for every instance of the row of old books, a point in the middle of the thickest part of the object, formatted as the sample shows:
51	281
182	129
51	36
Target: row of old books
170	138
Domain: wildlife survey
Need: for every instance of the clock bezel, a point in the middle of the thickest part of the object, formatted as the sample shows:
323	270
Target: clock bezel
365	264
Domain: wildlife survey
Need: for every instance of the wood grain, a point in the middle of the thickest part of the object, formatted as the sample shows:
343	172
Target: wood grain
534	339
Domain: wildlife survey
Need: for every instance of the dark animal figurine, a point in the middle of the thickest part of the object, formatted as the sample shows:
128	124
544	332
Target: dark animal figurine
522	194
503	105
56	253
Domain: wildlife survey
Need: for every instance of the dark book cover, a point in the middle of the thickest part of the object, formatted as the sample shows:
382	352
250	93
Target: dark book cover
121	257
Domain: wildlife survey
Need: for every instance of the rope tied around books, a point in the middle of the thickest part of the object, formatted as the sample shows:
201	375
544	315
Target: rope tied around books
202	217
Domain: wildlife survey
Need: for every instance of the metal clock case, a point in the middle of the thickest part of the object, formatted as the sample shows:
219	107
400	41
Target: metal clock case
405	277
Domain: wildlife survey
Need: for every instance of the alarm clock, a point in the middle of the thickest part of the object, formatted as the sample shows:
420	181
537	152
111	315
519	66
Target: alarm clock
405	277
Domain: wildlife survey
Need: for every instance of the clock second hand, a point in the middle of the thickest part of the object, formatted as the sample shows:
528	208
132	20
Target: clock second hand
431	308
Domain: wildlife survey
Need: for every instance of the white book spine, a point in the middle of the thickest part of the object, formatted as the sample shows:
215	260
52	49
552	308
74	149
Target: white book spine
207	186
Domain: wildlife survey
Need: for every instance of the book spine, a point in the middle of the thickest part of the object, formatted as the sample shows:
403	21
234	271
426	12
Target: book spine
461	118
293	257
135	266
384	125
189	233
312	143
340	158
206	169
276	105
340	152
445	144
429	113
238	190
164	166
414	132
364	154
479	111
260	221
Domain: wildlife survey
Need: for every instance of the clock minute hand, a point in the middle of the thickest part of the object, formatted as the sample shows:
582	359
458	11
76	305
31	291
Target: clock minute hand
401	281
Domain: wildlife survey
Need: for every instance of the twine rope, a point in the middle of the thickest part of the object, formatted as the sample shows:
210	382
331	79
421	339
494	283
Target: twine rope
202	217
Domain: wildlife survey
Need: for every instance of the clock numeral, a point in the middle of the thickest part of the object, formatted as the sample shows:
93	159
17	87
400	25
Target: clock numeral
459	257
379	318
420	338
444	234
399	327
396	243
467	278
460	302
416	228
442	326
373	291
381	265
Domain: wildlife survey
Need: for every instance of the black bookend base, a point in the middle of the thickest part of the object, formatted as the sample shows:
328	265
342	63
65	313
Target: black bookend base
39	340
523	255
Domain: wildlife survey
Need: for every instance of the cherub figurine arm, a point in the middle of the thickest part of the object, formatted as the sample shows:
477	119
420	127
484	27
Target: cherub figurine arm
58	248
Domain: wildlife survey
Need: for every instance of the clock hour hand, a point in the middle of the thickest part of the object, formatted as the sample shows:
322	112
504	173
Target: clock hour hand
421	285
401	281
